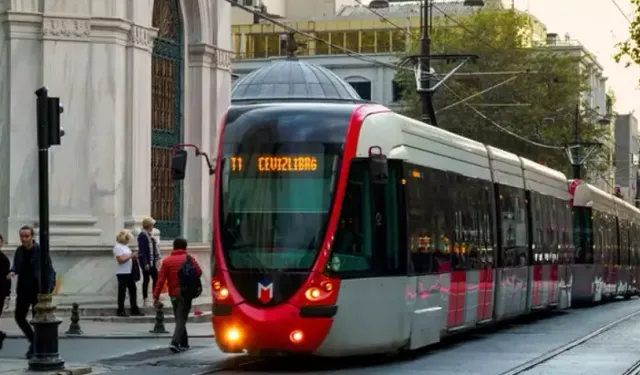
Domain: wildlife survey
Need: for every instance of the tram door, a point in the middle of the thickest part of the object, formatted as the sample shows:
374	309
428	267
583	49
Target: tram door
387	233
388	221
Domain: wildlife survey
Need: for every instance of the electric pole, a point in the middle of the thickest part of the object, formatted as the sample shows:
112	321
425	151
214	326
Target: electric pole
573	150
575	160
428	112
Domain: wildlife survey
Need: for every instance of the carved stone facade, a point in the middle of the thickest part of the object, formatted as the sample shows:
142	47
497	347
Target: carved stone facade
97	57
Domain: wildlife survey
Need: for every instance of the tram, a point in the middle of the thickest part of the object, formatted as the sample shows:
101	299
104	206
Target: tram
346	229
607	257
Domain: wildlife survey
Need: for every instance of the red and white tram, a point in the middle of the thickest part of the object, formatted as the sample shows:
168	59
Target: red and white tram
607	231
322	246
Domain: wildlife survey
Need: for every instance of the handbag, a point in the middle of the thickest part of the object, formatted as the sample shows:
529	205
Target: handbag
135	270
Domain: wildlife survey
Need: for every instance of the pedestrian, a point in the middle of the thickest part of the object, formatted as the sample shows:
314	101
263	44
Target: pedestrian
127	272
182	274
5	285
26	265
149	257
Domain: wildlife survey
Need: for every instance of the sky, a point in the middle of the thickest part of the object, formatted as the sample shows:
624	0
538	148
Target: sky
598	25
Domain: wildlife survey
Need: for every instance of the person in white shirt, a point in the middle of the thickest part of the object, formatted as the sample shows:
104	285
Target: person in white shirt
126	268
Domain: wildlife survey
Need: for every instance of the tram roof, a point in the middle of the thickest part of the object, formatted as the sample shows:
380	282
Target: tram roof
626	210
587	195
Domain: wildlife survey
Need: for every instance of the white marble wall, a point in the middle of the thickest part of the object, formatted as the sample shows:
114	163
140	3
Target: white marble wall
96	56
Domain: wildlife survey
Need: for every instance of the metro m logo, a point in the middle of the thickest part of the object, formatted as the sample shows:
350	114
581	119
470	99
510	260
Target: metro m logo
265	291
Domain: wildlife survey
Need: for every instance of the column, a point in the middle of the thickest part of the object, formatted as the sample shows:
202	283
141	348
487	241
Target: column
199	130
138	125
107	162
66	49
20	75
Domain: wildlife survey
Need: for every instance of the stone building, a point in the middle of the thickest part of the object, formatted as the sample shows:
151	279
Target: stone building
135	78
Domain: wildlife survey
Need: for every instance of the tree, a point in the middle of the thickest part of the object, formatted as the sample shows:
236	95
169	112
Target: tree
551	90
630	49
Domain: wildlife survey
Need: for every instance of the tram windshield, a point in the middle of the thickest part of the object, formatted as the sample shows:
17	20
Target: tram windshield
277	183
275	207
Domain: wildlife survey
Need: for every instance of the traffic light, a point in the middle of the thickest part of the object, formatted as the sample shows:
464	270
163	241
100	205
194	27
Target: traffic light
48	110
55	109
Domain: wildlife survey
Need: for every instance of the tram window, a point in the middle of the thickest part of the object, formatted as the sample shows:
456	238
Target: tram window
513	226
552	234
429	219
623	254
471	244
537	227
567	242
635	248
584	235
487	210
633	243
461	205
598	236
395	228
352	249
615	242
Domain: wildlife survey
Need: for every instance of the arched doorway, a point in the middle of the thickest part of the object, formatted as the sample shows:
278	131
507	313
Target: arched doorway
166	118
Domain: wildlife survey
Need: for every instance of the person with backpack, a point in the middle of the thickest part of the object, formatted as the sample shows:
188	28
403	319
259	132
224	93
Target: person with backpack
182	274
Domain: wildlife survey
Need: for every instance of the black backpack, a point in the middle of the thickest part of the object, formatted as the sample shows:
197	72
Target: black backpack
190	284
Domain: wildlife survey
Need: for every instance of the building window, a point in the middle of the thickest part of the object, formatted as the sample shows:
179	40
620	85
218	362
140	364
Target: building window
397	91
362	87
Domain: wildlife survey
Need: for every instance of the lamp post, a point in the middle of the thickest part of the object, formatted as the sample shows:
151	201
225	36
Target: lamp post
45	323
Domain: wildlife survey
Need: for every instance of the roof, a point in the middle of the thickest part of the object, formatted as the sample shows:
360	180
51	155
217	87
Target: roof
292	79
406	9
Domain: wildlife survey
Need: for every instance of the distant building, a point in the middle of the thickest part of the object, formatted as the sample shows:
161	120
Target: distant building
627	148
356	28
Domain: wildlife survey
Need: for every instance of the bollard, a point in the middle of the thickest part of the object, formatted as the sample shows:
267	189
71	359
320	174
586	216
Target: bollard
74	327
159	325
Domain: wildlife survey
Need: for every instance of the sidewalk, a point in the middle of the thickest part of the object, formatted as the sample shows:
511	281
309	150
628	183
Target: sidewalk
20	367
116	330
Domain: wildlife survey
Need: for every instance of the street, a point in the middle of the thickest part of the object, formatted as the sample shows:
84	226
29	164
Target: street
494	351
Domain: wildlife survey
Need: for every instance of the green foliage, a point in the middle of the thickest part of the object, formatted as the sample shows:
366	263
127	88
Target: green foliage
630	49
551	88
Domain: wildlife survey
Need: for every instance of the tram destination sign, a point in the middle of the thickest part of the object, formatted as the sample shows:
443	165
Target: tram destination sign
274	163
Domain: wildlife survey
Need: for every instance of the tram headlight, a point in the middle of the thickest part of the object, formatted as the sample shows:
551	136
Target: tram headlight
313	293
296	336
233	335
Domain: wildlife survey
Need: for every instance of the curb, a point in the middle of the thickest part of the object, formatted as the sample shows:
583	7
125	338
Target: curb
76	371
124	336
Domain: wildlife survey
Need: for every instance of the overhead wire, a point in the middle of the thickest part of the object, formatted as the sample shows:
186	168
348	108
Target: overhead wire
463	100
362	57
615	3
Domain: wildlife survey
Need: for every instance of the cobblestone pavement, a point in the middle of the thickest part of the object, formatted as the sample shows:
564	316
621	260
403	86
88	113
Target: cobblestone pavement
490	352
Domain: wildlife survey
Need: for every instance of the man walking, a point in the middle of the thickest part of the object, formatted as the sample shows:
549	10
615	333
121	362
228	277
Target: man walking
26	266
5	285
182	274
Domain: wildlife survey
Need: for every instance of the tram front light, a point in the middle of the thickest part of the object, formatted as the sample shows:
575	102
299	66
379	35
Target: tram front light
296	336
313	294
222	293
233	335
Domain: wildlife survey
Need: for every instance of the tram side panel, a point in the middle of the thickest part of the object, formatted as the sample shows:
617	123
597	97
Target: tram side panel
512	275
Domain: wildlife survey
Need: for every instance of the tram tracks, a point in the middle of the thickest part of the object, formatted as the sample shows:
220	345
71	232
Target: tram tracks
551	354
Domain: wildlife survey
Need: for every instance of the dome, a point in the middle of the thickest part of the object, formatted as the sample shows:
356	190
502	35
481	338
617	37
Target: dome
292	79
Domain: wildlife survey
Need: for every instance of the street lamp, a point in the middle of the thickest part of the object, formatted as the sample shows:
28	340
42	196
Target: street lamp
474	3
